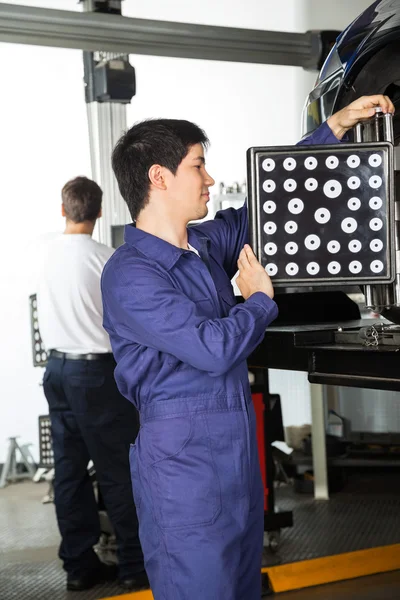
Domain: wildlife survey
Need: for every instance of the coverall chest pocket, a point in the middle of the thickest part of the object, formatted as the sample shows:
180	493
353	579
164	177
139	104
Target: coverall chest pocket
183	479
228	298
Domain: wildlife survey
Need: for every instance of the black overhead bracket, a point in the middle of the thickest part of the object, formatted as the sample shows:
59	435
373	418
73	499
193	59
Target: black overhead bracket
111	32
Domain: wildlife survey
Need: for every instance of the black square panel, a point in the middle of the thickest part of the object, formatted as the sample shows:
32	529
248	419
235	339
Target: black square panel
323	214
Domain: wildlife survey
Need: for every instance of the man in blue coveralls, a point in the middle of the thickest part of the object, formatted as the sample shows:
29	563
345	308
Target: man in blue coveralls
181	343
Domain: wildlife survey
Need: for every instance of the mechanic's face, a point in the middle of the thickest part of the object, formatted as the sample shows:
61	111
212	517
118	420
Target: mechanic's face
188	189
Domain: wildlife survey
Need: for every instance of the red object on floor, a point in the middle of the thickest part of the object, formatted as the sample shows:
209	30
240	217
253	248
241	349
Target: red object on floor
258	402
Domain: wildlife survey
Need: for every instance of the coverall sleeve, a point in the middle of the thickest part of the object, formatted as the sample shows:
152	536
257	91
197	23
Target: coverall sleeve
142	306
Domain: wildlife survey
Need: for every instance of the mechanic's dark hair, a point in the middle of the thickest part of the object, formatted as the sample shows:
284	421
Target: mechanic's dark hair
163	142
81	198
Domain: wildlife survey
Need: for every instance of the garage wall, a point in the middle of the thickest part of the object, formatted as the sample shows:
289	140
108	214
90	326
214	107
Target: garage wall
44	143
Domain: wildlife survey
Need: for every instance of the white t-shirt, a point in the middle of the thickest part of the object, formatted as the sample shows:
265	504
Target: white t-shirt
70	309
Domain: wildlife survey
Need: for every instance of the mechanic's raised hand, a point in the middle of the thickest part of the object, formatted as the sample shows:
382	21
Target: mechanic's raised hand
252	276
359	110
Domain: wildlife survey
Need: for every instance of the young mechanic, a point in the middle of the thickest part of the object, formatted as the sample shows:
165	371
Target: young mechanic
181	343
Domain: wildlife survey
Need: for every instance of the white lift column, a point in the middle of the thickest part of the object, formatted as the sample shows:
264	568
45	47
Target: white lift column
109	87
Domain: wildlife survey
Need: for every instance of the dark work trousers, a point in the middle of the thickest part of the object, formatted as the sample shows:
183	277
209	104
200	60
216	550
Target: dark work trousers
91	420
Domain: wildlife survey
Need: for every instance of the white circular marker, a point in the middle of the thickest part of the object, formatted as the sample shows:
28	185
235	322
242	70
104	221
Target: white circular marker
291	248
271	269
270	248
376	266
375	160
322	215
311	163
334	267
355	246
353	161
375	203
333	246
376	224
354	182
290	185
291	227
292	269
289	164
332	162
332	188
376	245
311	184
349	225
312	242
270	227
268	165
312	268
296	206
375	182
269	186
269	207
355	267
354	204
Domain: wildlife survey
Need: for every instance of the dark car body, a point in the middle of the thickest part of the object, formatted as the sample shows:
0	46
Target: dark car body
364	60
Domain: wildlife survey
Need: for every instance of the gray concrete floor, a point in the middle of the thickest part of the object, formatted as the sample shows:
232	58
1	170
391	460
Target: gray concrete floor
30	570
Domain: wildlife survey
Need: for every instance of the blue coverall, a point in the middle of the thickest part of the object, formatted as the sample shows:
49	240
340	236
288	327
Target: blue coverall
181	343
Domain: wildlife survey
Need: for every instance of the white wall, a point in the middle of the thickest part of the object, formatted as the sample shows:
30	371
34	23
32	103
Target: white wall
44	143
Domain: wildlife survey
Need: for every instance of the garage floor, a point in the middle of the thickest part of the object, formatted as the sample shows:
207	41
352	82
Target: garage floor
29	569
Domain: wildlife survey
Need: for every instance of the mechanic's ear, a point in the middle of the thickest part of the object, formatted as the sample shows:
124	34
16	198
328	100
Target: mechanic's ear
157	176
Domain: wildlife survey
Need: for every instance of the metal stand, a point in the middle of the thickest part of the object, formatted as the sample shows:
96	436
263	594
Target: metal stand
10	472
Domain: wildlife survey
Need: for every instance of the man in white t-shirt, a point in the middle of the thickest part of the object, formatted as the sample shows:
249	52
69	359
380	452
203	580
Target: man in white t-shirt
89	417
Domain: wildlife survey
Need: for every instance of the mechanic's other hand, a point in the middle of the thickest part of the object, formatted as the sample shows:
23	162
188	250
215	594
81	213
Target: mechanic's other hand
359	110
252	276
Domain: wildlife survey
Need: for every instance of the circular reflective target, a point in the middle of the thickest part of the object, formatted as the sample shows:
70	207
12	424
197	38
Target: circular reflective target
295	206
375	182
312	268
334	267
333	246
312	242
269	207
349	225
268	164
354	204
271	269
311	184
311	163
332	162
376	224
355	267
376	245
353	161
290	185
291	227
291	248
375	203
270	227
355	246
375	160
292	269
289	164
270	248
353	182
269	186
322	215
332	188
376	266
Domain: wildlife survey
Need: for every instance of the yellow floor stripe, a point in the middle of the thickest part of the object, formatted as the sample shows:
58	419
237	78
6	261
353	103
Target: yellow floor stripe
317	571
146	595
328	569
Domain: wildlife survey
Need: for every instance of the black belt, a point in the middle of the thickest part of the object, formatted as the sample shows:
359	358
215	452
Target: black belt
90	356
